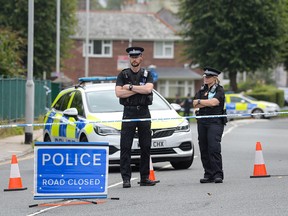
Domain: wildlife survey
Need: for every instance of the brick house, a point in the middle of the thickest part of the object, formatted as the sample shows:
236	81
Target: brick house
111	32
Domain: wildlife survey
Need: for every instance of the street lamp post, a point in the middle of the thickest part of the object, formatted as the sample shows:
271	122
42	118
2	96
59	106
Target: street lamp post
29	111
87	38
58	39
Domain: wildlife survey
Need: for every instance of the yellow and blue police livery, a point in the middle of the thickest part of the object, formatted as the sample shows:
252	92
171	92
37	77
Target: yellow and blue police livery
240	104
91	112
64	132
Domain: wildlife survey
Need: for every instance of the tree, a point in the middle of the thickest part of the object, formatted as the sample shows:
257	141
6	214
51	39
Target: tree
234	36
10	53
285	40
14	14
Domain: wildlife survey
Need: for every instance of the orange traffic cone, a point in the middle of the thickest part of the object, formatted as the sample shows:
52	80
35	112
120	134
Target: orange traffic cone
259	165
152	174
15	182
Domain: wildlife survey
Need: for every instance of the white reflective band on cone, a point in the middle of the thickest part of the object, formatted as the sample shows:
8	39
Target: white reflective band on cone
259	158
14	172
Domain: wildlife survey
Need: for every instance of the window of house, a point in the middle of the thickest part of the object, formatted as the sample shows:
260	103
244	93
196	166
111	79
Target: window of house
172	87
98	48
164	49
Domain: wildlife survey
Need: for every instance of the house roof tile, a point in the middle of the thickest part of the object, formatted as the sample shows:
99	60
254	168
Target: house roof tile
177	73
113	25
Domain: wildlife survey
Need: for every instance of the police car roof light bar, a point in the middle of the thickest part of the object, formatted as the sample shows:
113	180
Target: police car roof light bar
97	78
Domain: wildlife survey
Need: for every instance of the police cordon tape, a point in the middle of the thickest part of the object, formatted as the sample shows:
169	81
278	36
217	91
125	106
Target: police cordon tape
146	119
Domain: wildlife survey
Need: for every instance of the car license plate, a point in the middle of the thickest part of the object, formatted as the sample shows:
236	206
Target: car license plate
155	144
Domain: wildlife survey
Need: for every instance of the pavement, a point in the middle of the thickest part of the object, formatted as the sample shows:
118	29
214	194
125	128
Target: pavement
15	145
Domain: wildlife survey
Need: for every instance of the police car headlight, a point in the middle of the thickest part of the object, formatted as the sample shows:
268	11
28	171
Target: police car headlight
104	130
183	127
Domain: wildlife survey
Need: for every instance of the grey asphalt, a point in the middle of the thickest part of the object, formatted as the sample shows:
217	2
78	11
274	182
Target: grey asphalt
15	145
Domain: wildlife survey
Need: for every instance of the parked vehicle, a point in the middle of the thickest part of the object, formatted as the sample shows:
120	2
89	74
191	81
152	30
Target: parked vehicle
91	113
285	95
240	104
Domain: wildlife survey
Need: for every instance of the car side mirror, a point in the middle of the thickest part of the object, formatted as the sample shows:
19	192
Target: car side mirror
71	112
175	106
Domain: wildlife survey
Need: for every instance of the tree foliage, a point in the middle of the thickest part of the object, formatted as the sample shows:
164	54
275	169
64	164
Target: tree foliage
10	53
14	14
234	36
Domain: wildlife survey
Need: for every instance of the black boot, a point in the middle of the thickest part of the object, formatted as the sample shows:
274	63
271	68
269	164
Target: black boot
206	180
147	182
126	184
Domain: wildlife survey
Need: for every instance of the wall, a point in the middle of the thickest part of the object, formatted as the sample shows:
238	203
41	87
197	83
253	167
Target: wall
75	66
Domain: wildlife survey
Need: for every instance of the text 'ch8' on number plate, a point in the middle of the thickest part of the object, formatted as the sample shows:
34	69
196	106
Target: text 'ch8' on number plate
155	144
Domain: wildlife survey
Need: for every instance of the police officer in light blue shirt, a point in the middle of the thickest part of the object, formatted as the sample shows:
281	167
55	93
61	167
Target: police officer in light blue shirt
210	100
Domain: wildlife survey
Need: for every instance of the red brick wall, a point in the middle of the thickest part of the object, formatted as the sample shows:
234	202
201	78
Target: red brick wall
74	67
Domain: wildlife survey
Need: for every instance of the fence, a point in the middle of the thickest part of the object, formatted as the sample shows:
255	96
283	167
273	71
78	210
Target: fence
13	94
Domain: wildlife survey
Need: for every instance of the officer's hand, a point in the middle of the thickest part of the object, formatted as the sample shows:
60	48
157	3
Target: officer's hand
126	87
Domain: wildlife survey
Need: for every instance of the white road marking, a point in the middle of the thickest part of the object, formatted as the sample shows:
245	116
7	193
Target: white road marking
118	183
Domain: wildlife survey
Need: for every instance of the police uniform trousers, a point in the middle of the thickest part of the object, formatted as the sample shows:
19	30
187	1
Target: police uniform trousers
209	136
126	140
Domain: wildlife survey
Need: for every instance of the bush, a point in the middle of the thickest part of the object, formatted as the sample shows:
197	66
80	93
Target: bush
268	93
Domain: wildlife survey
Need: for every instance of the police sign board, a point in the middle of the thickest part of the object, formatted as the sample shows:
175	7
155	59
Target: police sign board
70	170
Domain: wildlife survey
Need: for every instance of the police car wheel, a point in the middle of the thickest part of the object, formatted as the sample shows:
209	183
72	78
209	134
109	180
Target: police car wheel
257	112
182	164
83	139
47	138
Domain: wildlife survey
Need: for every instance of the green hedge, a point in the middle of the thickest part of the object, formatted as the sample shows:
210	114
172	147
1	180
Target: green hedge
268	93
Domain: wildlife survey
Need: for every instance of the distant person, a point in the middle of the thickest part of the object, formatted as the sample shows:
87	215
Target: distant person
177	99
187	105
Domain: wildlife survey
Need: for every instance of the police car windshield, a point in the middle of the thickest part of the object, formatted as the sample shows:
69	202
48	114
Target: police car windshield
103	101
158	102
106	101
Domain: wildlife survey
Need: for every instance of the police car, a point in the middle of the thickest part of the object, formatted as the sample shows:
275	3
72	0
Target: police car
240	104
90	112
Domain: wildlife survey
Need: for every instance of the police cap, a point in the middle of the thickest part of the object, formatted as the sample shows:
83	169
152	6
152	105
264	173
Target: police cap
208	71
134	51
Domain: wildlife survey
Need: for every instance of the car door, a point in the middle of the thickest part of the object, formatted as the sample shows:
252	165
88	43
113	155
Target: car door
73	129
58	128
236	105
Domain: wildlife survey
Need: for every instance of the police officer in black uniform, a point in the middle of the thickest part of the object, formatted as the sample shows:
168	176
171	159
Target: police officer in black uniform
210	100
134	88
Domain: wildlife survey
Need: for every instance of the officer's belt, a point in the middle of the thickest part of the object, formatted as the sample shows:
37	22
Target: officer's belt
136	107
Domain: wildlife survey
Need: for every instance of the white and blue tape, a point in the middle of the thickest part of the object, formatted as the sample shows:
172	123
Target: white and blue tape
146	119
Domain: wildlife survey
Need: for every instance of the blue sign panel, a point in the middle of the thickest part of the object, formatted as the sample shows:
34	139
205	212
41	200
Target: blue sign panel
70	171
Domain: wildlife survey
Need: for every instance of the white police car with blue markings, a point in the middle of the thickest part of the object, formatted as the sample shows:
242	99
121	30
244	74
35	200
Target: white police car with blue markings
243	104
91	112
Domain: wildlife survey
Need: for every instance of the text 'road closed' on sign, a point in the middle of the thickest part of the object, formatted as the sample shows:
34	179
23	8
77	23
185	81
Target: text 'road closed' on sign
70	170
